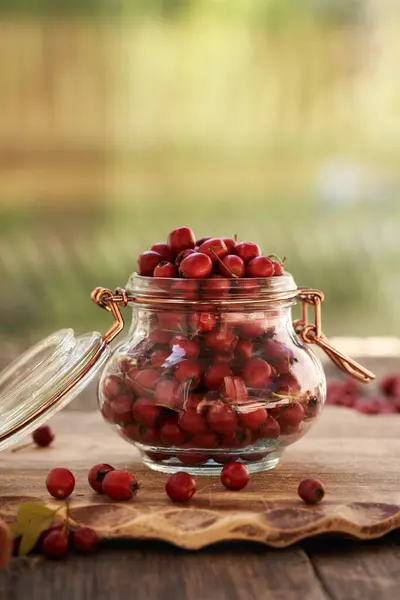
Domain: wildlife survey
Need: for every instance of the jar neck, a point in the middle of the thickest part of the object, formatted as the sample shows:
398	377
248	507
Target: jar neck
176	318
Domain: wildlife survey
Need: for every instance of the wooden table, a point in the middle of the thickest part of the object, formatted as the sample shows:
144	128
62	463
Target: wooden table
316	569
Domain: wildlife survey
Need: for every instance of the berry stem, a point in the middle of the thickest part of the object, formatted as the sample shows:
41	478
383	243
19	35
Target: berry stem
222	263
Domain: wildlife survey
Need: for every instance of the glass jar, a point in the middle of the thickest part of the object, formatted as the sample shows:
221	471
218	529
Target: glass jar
213	371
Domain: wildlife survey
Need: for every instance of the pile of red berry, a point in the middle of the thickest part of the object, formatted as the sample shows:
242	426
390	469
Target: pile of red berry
349	393
184	256
210	381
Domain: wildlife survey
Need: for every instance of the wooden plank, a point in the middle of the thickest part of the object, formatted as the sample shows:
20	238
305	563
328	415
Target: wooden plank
350	571
363	497
144	572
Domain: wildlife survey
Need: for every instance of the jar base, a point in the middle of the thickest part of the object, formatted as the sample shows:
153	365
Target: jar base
211	467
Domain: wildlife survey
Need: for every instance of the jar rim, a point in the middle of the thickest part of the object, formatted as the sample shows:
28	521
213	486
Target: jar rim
193	291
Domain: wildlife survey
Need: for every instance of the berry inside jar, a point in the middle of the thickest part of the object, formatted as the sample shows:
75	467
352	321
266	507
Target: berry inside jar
212	371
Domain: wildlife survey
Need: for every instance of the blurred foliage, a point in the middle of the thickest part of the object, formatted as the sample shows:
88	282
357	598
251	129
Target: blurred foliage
349	255
244	11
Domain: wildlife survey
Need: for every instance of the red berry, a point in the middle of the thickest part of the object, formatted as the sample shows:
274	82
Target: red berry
183	255
172	320
216	287
180	487
120	485
256	373
214	248
145	412
159	356
244	349
247	251
221	340
291	417
122	409
200	241
251	330
163	250
171	433
191	347
184	288
196	266
230	244
390	385
191	458
60	483
202	321
112	386
235	476
146	381
278	355
96	476
278	268
236	439
158	336
84	539
180	239
165	269
205	440
311	491
253	419
167	393
147	262
232	266
215	374
140	433
222	419
269	429
261	266
55	545
188	369
43	436
287	384
193	422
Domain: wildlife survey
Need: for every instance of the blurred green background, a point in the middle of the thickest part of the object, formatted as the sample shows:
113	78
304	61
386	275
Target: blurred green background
273	119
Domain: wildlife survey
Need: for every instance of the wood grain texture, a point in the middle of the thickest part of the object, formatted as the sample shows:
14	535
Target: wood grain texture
160	572
357	457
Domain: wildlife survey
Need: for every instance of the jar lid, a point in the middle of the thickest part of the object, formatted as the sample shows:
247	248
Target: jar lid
45	379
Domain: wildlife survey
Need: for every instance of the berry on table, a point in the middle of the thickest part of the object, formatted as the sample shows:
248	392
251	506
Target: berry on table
55	545
84	539
120	485
311	491
235	476
60	483
43	436
180	487
96	476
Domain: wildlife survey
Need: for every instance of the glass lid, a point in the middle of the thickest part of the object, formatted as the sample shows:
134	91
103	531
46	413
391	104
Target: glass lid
45	379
